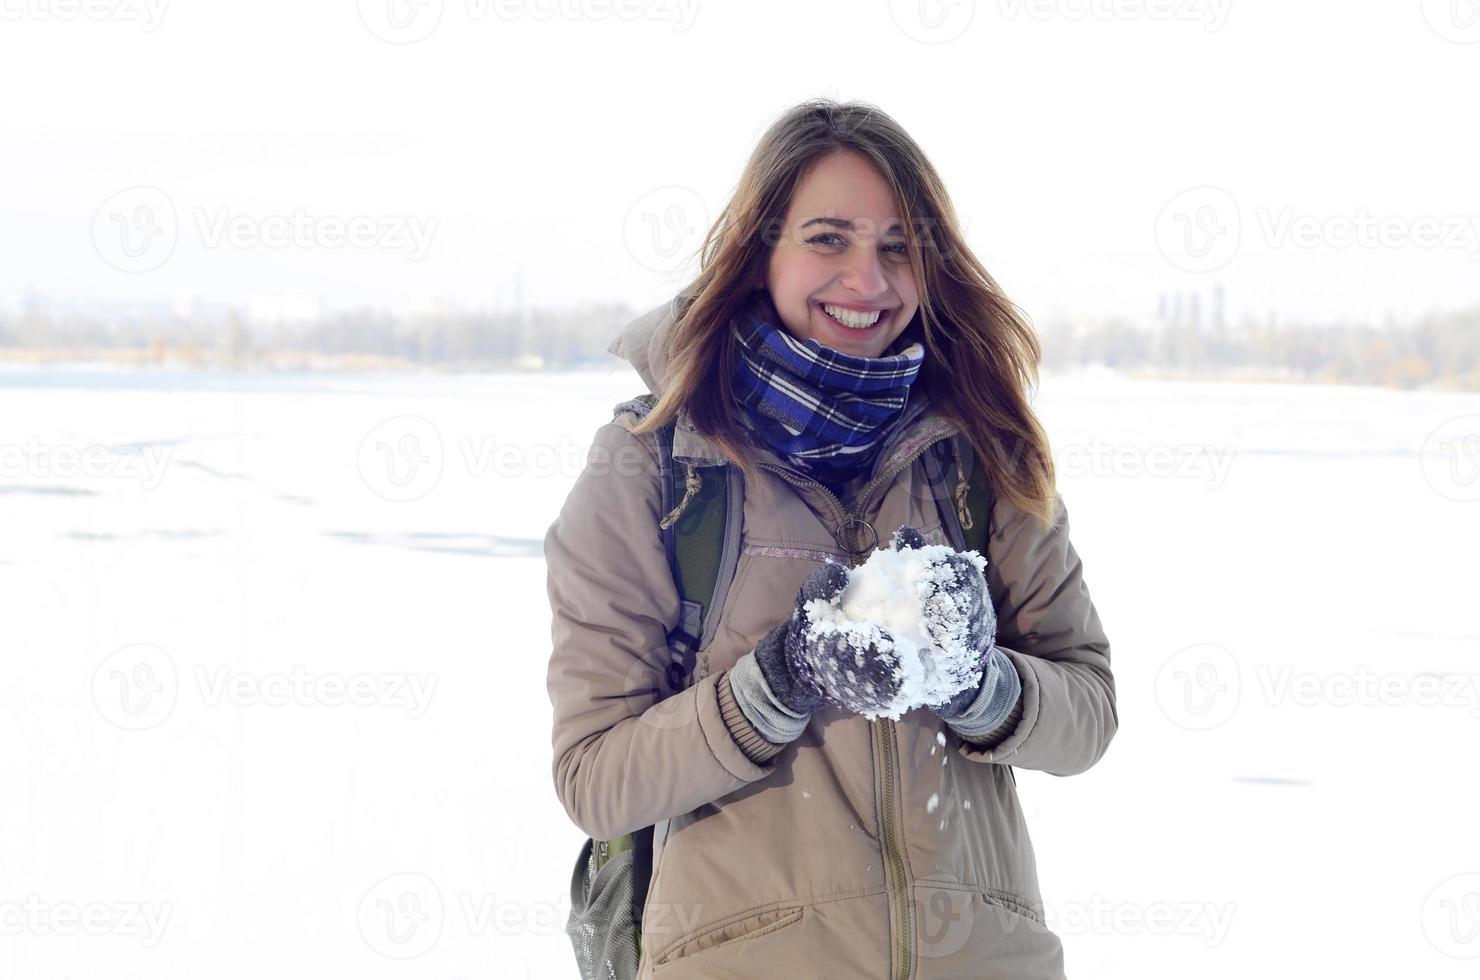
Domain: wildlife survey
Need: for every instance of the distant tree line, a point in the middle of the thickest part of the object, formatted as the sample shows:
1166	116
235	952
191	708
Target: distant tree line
540	338
1441	350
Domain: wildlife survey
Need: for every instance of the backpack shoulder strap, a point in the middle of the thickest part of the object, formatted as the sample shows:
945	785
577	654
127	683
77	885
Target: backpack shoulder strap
965	502
701	534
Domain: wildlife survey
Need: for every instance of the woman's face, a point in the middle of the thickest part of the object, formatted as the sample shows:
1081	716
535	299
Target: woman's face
843	245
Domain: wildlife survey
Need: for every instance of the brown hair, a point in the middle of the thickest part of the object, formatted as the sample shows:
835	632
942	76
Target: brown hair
981	355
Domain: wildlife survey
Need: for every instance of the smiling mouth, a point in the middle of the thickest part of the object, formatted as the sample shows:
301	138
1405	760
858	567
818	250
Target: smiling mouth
855	327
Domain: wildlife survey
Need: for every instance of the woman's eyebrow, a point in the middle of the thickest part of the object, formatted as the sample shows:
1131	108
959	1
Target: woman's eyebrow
847	225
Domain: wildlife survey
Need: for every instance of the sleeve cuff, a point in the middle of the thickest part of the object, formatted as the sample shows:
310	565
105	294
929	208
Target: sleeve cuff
996	735
990	717
755	747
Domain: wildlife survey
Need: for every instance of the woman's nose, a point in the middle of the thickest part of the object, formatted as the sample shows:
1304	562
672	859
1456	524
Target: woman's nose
865	275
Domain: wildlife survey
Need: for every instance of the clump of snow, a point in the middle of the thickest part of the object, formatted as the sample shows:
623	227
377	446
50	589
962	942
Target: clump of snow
932	803
906	593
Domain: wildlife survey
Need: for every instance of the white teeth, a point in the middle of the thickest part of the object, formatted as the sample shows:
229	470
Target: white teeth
848	318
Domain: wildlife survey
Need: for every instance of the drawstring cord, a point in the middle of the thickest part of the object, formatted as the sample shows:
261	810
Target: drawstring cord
963	514
692	483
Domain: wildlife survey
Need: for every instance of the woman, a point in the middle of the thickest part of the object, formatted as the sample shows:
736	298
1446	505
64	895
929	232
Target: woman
839	329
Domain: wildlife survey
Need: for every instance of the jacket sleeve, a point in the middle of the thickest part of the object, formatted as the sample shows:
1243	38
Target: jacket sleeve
622	759
1047	626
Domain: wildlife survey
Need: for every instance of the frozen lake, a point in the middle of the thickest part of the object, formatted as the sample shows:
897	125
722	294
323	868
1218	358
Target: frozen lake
272	693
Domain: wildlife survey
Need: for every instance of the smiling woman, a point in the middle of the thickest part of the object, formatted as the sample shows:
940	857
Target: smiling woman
765	792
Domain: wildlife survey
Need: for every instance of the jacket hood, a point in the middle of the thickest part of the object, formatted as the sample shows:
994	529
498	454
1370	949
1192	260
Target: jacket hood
640	344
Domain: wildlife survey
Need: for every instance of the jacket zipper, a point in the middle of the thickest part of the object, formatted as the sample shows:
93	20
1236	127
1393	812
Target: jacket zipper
894	863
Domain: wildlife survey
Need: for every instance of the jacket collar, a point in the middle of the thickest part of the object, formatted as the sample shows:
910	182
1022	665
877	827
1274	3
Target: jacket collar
640	343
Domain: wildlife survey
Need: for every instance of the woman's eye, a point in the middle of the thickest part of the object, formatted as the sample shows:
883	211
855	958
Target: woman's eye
894	248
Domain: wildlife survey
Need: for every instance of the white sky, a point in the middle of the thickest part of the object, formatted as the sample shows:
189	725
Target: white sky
529	139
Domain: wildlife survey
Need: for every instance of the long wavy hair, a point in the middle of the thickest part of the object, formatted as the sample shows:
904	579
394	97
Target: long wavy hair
981	354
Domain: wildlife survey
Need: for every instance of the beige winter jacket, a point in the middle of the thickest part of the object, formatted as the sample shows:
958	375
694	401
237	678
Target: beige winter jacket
863	849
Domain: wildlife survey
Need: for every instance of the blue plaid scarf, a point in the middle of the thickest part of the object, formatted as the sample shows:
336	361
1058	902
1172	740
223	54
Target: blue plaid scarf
824	411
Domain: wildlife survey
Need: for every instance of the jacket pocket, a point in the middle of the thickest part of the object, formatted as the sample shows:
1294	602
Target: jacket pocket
1016	904
733	930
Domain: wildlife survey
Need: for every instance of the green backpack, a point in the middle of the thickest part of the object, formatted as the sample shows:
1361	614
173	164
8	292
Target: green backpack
701	534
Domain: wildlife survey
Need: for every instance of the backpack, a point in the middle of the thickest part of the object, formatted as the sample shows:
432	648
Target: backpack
701	534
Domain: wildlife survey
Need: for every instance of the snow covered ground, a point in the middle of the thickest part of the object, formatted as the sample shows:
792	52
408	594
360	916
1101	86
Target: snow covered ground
272	685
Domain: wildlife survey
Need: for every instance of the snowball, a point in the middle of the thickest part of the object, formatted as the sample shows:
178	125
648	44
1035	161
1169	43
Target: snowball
904	593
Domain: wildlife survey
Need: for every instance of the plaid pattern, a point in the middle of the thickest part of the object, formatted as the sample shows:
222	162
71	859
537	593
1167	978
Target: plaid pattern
825	411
